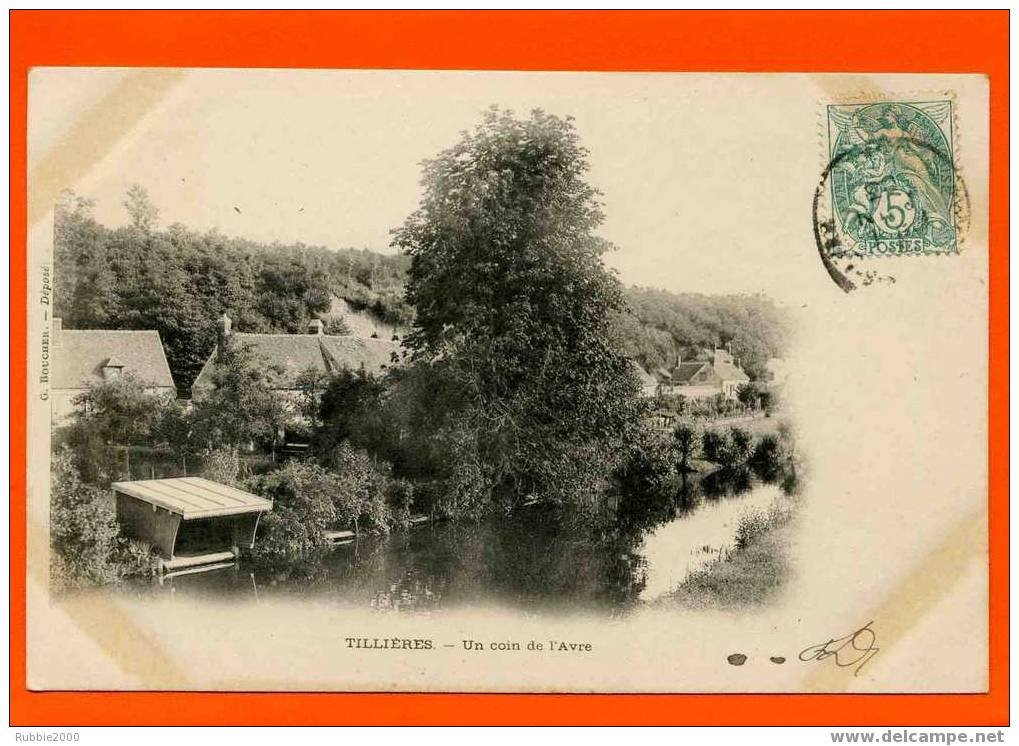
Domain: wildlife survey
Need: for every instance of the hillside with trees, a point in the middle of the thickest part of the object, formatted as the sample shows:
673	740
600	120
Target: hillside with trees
662	326
179	282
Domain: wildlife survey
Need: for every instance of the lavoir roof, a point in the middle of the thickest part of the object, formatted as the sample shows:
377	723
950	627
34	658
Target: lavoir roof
194	497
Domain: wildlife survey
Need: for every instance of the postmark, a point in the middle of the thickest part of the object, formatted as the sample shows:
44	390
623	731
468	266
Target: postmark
890	187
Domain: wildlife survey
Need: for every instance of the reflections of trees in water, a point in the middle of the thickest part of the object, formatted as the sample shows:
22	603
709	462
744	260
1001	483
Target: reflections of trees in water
540	559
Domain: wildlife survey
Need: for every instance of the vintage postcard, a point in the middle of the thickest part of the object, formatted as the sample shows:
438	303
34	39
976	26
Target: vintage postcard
507	381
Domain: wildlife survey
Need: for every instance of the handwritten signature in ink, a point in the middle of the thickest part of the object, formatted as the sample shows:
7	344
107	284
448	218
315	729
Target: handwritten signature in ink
852	650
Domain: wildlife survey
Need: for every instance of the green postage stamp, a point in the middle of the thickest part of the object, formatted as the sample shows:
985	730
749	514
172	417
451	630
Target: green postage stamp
892	181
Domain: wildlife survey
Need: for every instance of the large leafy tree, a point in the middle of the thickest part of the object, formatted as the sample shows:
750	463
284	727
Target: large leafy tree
513	300
241	408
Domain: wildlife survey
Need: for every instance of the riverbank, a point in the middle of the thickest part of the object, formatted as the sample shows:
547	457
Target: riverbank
751	572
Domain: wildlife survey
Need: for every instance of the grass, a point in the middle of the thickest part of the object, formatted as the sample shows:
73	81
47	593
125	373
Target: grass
751	574
756	426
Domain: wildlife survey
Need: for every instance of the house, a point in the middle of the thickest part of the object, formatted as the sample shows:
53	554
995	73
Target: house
702	379
83	358
287	356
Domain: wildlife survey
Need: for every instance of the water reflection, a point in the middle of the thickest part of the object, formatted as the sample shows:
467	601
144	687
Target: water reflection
641	548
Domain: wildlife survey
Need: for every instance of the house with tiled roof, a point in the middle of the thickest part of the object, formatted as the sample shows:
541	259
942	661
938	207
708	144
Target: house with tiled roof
702	379
287	356
84	358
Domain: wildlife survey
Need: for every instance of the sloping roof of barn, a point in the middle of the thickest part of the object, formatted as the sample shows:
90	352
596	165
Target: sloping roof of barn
79	356
286	356
730	372
683	372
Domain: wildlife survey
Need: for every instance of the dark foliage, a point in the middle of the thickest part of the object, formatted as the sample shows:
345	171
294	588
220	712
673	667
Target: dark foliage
179	282
663	325
514	303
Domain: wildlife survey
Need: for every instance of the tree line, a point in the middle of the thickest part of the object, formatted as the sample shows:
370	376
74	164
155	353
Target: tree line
179	282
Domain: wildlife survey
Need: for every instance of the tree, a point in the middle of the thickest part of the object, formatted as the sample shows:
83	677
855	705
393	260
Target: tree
685	436
143	213
512	297
335	326
241	408
311	383
121	411
84	535
362	486
749	395
741	443
302	495
109	416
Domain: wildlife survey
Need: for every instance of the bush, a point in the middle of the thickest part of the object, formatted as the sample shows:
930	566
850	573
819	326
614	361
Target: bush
400	499
740	443
755	523
650	467
768	454
751	525
223	465
727	450
84	534
685	437
362	486
118	412
302	495
715	447
466	490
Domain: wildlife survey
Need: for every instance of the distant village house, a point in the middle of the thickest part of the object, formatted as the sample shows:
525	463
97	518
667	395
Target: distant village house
718	374
84	358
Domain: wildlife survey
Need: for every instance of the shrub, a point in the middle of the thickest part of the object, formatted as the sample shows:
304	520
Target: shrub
223	465
466	490
740	442
727	450
715	447
650	467
335	326
302	495
400	498
362	485
84	535
768	454
751	526
685	437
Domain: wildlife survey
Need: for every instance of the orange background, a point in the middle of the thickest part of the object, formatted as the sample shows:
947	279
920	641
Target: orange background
834	41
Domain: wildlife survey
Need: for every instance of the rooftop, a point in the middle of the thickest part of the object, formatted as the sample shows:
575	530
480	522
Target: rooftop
194	497
79	356
286	356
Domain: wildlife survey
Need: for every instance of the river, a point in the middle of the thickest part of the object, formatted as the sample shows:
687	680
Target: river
530	562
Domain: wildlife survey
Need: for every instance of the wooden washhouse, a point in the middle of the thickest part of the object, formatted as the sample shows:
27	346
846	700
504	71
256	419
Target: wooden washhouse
191	522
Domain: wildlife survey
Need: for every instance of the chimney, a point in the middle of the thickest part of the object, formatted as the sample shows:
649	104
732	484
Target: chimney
315	326
223	334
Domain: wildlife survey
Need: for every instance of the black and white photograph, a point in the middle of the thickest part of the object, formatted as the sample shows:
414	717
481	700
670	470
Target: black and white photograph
463	381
